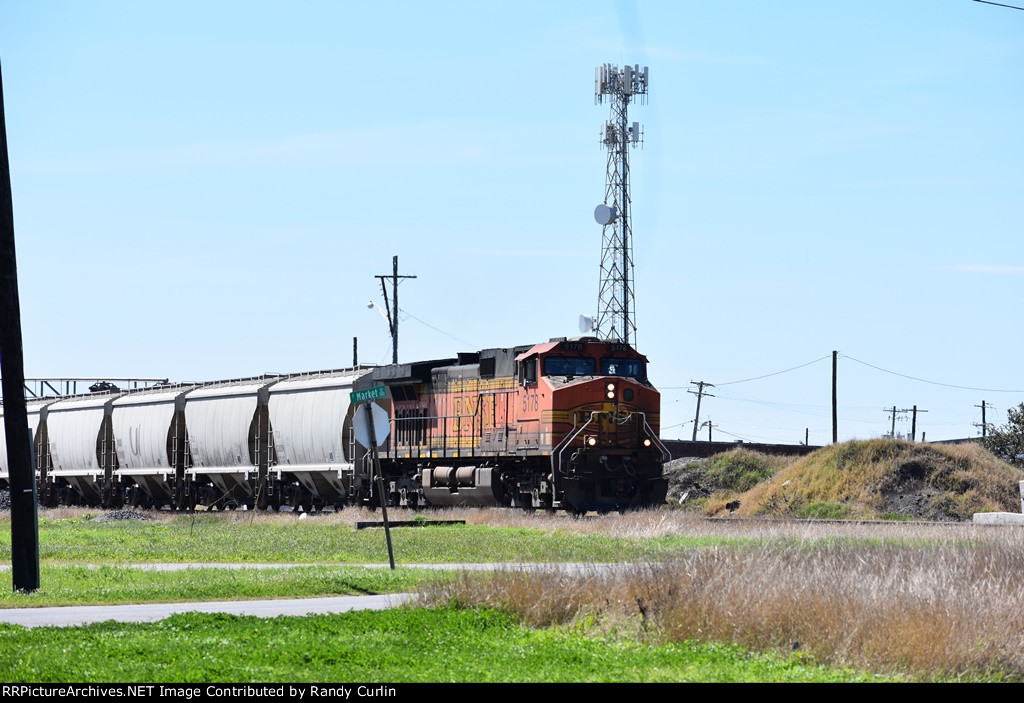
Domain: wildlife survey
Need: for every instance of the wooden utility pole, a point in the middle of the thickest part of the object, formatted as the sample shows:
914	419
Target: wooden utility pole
392	307
21	472
699	393
835	412
984	425
913	424
894	412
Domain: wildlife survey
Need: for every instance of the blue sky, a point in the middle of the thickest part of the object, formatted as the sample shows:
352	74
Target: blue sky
207	190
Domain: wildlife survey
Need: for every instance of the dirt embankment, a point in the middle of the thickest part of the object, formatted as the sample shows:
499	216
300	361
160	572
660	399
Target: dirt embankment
866	479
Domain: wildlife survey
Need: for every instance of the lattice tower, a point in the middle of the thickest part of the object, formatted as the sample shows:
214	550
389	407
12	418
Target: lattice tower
616	309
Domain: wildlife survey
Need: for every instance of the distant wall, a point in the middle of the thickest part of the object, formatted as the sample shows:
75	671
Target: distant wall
682	448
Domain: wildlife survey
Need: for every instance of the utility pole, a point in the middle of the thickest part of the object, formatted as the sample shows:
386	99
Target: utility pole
355	352
984	425
835	412
709	426
913	424
894	412
392	309
699	393
21	472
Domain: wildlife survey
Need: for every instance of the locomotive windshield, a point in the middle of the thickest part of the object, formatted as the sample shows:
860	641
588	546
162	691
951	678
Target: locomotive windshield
569	366
622	367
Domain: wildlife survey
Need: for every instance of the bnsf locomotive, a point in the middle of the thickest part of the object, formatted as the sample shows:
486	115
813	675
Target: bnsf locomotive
571	424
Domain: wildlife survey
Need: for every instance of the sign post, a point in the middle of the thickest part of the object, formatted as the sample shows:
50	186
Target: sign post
373	441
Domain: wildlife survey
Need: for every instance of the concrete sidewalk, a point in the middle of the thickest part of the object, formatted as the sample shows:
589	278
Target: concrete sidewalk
151	612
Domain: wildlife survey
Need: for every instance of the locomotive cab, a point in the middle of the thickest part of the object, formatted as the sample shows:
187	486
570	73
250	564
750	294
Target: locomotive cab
595	415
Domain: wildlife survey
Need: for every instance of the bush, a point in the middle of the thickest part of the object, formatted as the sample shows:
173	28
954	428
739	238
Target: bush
1007	441
742	469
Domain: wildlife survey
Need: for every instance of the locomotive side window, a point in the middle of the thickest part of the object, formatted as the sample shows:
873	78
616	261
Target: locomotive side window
633	368
569	366
528	371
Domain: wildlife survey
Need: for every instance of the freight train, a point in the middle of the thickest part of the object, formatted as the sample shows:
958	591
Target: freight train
571	424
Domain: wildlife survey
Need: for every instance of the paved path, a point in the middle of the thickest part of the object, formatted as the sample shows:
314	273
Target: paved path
575	567
152	612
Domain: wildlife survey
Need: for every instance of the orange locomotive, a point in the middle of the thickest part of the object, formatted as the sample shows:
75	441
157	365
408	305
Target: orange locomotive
571	424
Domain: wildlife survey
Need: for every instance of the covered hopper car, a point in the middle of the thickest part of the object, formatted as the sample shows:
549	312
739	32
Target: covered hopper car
571	425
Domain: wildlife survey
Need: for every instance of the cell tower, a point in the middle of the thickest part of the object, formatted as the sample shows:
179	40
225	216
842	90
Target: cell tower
616	313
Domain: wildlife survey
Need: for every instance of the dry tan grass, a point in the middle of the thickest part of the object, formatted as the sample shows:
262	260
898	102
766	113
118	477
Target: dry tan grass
879	476
952	607
641	524
930	600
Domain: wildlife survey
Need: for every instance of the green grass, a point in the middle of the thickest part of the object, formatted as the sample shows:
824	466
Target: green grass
111	585
212	539
406	645
824	511
475	644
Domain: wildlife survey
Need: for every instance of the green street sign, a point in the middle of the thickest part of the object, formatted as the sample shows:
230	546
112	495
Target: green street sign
374	393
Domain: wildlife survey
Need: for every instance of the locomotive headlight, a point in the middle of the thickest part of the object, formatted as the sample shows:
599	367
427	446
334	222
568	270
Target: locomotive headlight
592	441
647	442
611	390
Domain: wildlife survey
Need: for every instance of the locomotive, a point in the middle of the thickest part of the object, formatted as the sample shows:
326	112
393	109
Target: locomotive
571	424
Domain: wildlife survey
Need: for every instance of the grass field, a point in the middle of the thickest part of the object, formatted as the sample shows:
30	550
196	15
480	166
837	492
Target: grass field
416	645
819	601
111	585
71	536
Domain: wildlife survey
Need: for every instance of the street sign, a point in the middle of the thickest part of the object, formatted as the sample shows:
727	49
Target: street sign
361	424
375	393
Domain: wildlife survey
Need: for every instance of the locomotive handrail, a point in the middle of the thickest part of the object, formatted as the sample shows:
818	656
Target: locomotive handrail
556	453
666	455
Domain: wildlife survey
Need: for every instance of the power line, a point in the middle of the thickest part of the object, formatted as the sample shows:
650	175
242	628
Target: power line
731	434
934	383
755	378
427	324
987	2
